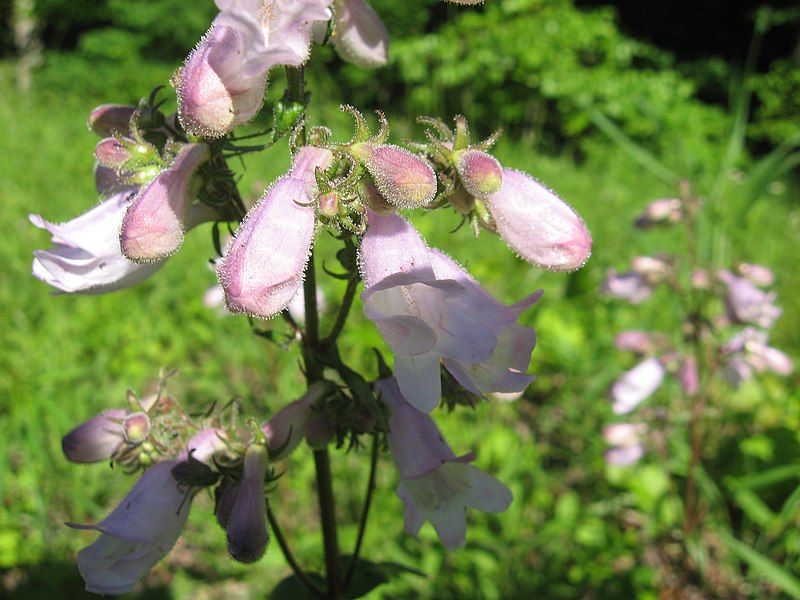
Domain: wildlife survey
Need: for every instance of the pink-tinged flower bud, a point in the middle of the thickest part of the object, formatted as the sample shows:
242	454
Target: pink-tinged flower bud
207	446
629	286
373	198
263	266
112	153
746	303
154	225
480	173
435	485
688	376
137	427
637	385
654	268
307	160
667	210
111	119
403	178
137	534
538	225
289	425
328	204
214	94
634	340
756	274
359	35
247	524
97	439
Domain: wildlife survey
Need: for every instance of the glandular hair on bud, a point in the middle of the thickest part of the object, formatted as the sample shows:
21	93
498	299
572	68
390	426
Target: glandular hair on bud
480	173
403	178
328	204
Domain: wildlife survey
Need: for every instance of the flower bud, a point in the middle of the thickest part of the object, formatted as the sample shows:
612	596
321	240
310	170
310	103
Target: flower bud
225	498
214	94
756	274
480	173
688	376
538	225
667	210
110	119
111	152
137	427
206	445
290	424
700	279
359	35
637	341
155	222
373	198
97	439
655	269
328	204
247	524
403	178
629	286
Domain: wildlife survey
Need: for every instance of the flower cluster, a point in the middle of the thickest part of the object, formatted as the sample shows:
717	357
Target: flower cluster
713	344
163	175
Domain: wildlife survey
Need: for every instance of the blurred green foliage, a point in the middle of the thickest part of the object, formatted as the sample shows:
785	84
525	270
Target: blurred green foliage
577	528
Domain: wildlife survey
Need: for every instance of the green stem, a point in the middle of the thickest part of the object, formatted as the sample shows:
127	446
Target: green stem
362	525
287	553
344	311
328	516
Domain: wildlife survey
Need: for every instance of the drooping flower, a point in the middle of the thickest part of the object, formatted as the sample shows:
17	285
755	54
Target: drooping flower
749	353
756	274
223	82
636	385
430	311
630	286
626	444
291	424
359	35
435	485
662	211
263	266
137	534
246	524
748	304
538	225
154	224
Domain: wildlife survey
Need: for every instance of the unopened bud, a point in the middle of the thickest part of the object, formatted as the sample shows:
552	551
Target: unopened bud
247	524
111	152
328	204
319	431
97	439
655	269
225	499
137	427
756	274
480	173
373	198
700	279
109	119
637	341
403	178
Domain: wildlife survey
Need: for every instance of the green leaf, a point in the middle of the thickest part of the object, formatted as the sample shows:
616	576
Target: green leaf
369	575
291	588
762	565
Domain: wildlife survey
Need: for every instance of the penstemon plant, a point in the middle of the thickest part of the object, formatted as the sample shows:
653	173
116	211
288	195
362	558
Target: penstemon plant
162	175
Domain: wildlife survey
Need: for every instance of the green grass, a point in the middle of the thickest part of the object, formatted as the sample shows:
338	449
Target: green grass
63	358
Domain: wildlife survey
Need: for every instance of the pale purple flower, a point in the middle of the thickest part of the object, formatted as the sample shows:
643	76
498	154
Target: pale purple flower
359	35
154	224
137	534
665	210
246	524
223	82
538	225
654	268
480	173
207	446
748	304
750	353
429	310
636	385
97	439
626	444
634	340
756	274
629	286
264	265
435	485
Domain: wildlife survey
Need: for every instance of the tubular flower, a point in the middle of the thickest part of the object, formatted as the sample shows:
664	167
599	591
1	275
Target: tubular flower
626	444
246	524
430	311
289	425
748	304
97	439
263	266
537	224
359	35
435	485
630	286
154	224
223	82
137	534
636	385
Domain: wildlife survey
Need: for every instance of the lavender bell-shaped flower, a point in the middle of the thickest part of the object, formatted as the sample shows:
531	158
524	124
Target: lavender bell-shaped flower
223	82
435	485
637	385
429	310
748	304
537	224
246	525
359	35
97	439
263	266
137	534
155	222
